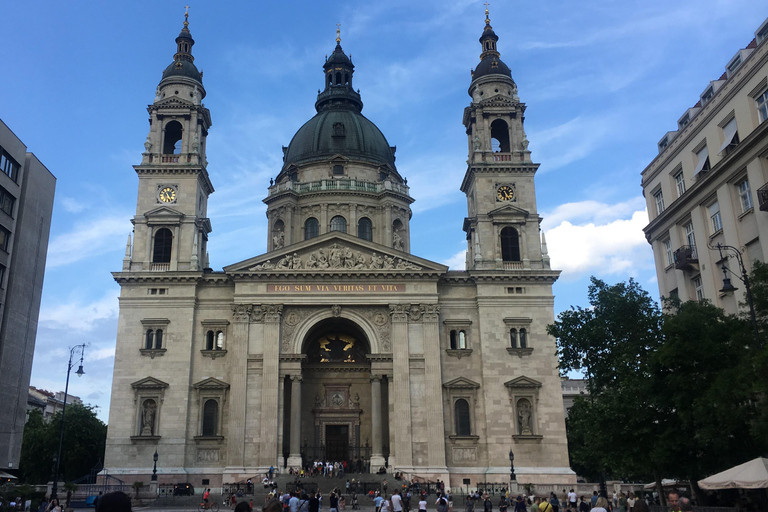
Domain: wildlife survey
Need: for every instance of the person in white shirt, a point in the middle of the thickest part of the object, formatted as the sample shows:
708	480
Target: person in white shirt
572	499
397	502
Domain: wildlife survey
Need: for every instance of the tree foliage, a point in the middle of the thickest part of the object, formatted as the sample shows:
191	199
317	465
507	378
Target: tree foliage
679	394
83	445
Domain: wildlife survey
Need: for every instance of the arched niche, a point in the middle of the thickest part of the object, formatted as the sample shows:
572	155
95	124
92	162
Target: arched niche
303	330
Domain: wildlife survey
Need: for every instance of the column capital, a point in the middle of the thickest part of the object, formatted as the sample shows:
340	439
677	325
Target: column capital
266	313
295	377
431	312
376	378
399	312
241	312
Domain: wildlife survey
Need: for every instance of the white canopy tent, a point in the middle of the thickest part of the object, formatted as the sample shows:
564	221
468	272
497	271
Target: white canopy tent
750	475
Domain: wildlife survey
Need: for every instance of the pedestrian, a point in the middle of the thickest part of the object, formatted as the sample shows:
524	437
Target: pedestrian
572	499
503	503
520	504
397	502
545	506
583	505
377	502
333	501
487	505
441	504
470	506
601	505
422	503
53	506
631	502
554	502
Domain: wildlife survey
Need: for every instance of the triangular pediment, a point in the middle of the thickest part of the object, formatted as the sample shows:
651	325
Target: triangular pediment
336	252
149	383
509	210
523	383
173	101
164	211
211	383
461	383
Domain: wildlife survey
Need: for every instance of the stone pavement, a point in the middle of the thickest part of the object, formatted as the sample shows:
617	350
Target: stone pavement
365	506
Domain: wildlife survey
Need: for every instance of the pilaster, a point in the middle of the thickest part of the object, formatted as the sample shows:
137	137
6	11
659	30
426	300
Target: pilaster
238	348
434	388
270	314
401	384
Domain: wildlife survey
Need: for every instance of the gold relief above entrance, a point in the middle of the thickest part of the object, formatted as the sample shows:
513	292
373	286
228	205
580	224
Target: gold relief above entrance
335	348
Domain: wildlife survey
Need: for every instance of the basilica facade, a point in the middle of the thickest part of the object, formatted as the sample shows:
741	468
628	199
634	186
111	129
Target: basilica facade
337	343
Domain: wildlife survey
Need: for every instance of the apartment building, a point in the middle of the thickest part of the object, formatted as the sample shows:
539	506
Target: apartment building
708	183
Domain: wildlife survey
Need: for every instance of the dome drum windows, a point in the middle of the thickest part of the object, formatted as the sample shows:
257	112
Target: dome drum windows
457	334
519	336
215	338
311	228
153	337
365	229
339	223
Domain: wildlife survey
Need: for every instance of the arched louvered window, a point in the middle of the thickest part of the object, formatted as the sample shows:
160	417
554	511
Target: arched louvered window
365	229
510	245
311	228
461	417
210	417
462	340
149	340
454	342
219	340
158	339
162	246
523	338
513	338
209	340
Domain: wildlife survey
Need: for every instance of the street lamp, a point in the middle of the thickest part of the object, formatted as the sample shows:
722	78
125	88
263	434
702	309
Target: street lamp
512	466
79	373
726	252
154	469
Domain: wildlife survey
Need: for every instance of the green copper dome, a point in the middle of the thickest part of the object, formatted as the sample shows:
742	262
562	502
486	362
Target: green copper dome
339	127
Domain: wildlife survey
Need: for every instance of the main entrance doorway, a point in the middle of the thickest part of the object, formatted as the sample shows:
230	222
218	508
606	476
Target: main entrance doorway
337	442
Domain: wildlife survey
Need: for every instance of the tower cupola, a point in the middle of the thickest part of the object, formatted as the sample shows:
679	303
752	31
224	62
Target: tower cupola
490	59
183	61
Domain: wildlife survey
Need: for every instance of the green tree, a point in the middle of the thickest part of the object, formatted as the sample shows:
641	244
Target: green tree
83	446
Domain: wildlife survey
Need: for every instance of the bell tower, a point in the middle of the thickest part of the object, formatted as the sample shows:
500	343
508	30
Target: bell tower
171	225
502	224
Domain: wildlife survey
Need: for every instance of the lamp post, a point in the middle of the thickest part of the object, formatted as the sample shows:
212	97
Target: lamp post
79	373
726	252
512	466
154	469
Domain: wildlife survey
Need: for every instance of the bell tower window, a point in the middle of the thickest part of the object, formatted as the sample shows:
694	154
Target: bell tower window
510	244
338	78
499	136
162	246
172	143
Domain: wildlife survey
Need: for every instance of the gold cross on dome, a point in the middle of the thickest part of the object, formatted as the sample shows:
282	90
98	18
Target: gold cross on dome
338	32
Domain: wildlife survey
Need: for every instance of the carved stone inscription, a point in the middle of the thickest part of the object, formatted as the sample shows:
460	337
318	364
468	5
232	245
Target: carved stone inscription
335	288
464	454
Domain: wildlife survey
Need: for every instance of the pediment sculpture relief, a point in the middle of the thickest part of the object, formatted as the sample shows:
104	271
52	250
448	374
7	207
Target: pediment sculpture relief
336	257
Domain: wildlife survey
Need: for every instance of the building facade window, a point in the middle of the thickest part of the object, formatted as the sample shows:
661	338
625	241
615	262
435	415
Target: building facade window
658	198
5	239
339	223
6	201
510	244
702	160
730	136
715	220
762	105
668	252
153	339
458	340
463	425
8	165
523	338
311	228
698	288
745	195
680	183
210	418
365	229
690	239
513	338
214	340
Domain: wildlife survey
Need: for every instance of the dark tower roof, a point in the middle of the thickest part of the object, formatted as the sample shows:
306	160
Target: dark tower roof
183	61
490	60
339	127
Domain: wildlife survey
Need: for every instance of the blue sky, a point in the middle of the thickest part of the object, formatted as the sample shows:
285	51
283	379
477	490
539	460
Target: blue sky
603	81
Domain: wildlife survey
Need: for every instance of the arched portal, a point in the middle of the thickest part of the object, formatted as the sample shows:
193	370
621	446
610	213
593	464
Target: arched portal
330	412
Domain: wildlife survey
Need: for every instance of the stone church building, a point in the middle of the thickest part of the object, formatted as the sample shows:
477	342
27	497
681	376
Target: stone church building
337	343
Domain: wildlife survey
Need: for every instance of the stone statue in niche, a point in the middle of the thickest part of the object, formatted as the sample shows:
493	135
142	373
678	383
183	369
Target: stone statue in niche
148	415
196	96
476	143
148	144
158	94
397	241
524	417
196	144
278	239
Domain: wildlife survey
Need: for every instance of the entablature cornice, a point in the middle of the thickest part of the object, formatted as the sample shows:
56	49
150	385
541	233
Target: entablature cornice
189	277
307	275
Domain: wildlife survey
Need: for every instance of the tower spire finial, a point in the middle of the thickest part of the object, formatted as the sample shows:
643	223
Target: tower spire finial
186	16
338	33
487	19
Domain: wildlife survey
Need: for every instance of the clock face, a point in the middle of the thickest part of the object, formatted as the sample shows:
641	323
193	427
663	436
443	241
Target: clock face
505	193
168	194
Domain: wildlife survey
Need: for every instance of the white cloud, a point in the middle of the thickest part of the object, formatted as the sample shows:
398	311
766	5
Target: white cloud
71	205
102	353
591	237
89	239
458	261
571	141
78	316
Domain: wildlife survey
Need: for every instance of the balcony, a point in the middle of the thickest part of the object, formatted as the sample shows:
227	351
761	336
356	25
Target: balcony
159	267
762	197
350	185
686	257
513	265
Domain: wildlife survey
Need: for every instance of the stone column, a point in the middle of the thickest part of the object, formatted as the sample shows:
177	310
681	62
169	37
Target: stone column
294	458
238	348
434	386
377	457
270	382
401	384
323	219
